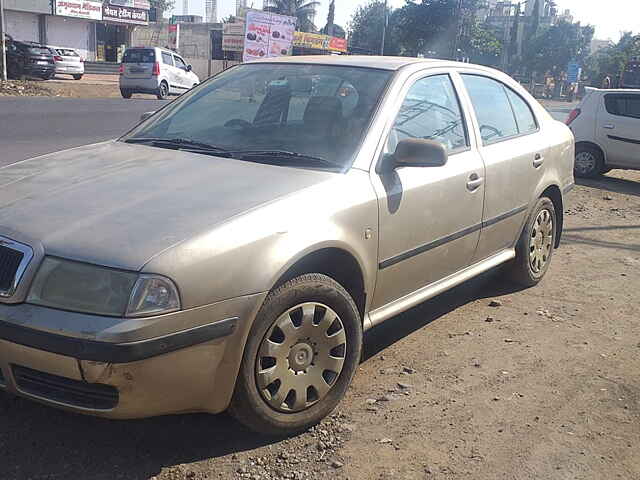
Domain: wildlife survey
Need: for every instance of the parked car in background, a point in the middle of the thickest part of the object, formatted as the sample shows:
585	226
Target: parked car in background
606	125
630	77
29	59
230	250
155	70
68	62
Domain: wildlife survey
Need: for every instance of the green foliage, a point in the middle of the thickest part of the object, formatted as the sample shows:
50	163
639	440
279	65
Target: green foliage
611	61
483	47
229	19
303	10
365	30
162	5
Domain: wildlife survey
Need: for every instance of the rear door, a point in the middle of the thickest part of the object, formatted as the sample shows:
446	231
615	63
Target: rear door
139	62
514	152
618	128
184	82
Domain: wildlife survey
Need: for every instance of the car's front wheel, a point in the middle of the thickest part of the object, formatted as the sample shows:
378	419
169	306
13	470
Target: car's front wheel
301	354
77	77
536	244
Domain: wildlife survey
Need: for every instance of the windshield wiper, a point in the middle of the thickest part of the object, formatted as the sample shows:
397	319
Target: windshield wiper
181	143
283	154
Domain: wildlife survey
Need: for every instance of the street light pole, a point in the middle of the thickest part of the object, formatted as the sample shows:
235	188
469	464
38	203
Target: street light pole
3	46
384	27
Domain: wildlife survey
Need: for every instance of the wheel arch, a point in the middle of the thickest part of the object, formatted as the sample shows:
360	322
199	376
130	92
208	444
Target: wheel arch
555	194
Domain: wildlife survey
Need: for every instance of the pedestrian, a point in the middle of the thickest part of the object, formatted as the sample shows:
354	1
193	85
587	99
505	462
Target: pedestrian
606	83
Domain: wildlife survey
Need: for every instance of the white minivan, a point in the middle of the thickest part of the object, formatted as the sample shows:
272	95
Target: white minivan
155	70
607	129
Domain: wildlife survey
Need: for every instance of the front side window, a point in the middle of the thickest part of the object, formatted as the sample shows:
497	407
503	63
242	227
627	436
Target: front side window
167	59
623	105
306	109
430	111
493	108
180	63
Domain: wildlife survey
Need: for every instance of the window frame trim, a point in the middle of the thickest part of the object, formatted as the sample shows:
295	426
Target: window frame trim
481	141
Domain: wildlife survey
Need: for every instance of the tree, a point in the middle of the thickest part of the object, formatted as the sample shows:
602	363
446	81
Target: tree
303	10
365	30
162	5
229	19
483	47
331	18
515	41
611	60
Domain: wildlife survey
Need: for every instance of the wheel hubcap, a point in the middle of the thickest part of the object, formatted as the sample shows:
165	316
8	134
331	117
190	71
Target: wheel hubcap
585	162
301	357
541	242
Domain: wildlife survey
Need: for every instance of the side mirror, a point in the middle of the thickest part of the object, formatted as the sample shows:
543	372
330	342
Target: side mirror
416	152
145	115
189	68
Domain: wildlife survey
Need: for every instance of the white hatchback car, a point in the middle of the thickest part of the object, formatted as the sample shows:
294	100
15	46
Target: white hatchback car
155	70
68	61
607	129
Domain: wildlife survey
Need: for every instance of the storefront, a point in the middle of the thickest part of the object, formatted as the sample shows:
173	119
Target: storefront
113	34
24	19
73	25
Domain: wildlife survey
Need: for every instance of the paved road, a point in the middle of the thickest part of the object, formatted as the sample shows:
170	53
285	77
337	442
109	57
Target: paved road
35	126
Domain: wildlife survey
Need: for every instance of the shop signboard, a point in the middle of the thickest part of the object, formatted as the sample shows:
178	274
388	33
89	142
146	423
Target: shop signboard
88	9
143	4
134	16
267	35
233	37
319	42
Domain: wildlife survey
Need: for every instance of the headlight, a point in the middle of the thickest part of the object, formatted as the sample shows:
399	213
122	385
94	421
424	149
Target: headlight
81	287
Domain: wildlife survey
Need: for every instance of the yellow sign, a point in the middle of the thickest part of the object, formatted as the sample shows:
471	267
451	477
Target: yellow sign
319	42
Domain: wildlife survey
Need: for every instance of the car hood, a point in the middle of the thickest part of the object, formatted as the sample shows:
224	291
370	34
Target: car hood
118	205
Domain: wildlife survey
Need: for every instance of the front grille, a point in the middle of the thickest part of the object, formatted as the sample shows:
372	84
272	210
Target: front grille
94	396
9	263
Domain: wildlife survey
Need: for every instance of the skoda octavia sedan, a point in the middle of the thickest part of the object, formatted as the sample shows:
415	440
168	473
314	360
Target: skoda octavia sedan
230	250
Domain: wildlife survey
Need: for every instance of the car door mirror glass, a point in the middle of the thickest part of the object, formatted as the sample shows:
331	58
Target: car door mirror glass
189	68
417	152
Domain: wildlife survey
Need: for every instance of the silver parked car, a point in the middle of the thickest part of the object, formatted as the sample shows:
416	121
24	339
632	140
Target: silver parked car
68	62
229	251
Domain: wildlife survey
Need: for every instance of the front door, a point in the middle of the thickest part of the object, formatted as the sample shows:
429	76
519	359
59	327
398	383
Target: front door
430	217
618	128
181	74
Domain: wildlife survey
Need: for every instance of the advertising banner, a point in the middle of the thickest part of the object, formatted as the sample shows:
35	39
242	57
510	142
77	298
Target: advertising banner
134	16
267	35
143	4
319	42
91	10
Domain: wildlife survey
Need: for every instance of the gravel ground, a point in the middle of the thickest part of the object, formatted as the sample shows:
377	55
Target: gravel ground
485	382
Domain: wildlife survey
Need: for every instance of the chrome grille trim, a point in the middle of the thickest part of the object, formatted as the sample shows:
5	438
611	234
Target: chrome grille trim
27	256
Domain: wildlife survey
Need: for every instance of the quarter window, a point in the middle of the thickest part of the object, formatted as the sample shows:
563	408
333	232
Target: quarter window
524	116
623	105
167	59
430	111
493	109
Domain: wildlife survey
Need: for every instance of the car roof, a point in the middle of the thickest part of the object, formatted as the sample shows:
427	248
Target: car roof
613	90
382	63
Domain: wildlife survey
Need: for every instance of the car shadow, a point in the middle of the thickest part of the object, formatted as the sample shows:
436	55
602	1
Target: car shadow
612	184
579	236
37	441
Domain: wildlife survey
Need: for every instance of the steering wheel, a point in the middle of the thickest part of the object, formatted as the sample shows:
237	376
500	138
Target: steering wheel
494	132
237	123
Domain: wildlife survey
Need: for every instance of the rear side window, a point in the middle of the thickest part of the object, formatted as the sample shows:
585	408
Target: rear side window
493	108
180	63
139	56
66	52
623	105
524	116
167	59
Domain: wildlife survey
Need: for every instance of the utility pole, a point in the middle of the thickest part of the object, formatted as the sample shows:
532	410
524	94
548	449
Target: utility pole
3	46
384	27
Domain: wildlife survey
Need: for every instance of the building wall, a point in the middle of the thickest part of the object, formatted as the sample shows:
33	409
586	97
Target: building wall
33	6
22	26
72	33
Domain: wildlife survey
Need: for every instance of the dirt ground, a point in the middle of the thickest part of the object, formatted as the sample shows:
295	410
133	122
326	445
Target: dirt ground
545	385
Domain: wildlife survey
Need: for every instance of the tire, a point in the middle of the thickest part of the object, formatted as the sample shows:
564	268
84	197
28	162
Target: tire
48	77
126	94
163	90
589	162
77	77
259	407
533	256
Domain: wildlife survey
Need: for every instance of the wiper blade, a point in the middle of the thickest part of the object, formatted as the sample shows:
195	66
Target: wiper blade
178	142
284	154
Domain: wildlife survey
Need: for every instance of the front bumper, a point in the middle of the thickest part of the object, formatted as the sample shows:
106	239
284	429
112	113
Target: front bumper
191	369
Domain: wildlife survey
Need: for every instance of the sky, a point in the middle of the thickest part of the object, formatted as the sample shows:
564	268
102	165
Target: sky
609	20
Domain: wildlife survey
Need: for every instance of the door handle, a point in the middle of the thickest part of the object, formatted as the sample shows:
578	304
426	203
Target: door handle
609	126
474	182
538	161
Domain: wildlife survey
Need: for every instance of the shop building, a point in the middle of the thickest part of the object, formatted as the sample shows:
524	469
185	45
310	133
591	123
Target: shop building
25	19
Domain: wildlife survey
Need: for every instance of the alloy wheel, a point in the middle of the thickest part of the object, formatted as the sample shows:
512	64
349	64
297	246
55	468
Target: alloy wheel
301	357
541	242
585	163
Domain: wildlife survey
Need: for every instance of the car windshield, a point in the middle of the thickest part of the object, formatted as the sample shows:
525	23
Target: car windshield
139	56
303	112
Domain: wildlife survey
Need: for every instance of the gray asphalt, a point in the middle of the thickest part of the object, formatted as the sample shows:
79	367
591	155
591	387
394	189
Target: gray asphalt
35	126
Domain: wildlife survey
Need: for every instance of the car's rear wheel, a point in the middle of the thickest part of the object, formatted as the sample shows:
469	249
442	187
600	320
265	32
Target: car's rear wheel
126	93
48	76
301	354
535	246
77	77
589	162
163	90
